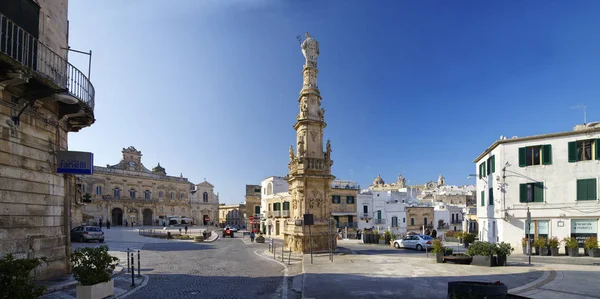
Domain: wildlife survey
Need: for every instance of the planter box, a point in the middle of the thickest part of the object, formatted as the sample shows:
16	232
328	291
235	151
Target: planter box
501	260
554	251
439	257
545	251
97	291
486	261
573	252
595	252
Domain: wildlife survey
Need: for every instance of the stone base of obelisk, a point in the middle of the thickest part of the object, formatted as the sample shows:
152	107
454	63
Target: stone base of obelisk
299	239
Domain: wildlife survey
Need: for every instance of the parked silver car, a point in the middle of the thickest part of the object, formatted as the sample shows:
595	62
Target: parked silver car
419	242
87	233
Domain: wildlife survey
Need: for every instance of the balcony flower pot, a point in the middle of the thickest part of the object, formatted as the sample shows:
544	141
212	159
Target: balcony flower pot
96	291
554	251
544	251
439	250
573	252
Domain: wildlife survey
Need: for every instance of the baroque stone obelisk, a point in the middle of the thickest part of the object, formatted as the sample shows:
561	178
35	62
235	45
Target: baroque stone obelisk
309	176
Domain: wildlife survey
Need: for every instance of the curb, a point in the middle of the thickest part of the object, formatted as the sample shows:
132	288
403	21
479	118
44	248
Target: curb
284	284
130	292
212	234
548	276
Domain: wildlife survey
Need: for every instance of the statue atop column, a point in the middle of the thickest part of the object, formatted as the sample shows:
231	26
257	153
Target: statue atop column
310	50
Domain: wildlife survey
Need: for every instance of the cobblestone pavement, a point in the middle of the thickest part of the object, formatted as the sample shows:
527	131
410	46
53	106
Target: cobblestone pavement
226	268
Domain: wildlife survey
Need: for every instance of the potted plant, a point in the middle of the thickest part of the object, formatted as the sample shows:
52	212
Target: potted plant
93	267
448	251
524	244
541	246
591	244
260	239
438	249
387	236
572	246
482	253
553	244
15	277
468	238
503	250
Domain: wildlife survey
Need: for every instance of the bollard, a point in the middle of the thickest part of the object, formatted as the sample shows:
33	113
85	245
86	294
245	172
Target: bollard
128	260
139	274
273	251
269	247
282	253
132	272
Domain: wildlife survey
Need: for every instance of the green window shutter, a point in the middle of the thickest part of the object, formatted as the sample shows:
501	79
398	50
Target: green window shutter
597	143
493	163
484	169
547	154
483	198
480	171
581	189
491	195
591	189
523	193
538	192
572	151
522	156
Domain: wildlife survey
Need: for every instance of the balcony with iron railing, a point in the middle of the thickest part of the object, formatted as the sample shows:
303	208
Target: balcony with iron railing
45	74
285	213
276	213
379	221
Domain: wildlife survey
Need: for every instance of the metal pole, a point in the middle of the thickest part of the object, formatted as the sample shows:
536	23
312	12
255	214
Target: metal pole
90	67
282	253
128	265
528	226
310	241
290	257
274	251
139	274
132	272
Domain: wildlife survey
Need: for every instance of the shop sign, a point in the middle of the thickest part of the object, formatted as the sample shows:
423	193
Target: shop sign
583	228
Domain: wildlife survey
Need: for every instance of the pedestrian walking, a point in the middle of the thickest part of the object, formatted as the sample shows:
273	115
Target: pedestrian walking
100	223
434	233
107	224
252	235
186	229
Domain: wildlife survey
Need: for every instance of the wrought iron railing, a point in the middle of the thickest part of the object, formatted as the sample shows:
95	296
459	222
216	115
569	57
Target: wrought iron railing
285	213
379	221
25	49
276	213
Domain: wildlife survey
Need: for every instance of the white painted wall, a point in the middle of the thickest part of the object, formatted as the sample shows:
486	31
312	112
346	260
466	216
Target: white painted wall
560	189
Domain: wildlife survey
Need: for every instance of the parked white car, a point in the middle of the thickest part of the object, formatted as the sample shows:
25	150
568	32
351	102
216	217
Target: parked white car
419	242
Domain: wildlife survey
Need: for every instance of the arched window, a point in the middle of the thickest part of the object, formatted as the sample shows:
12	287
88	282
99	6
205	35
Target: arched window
181	195
205	197
147	195
98	190
117	193
161	194
270	188
132	193
172	195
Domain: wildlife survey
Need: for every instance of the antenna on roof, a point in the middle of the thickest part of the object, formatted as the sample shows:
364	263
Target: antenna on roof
299	39
584	115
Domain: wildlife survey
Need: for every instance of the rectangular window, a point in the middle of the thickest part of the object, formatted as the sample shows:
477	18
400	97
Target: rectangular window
117	193
98	190
365	209
491	196
83	188
412	221
394	221
586	189
425	221
535	155
181	195
335	199
483	198
256	210
403	220
491	164
350	200
286	205
378	214
531	192
584	150
147	195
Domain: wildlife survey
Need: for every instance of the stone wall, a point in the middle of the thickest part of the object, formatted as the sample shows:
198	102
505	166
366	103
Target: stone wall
54	25
33	222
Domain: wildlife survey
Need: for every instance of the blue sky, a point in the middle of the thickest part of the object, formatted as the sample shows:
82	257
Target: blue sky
209	88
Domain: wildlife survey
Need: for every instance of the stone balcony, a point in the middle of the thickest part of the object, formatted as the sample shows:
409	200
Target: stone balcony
35	73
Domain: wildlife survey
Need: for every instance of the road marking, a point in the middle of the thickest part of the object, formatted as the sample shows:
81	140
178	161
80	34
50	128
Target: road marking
284	283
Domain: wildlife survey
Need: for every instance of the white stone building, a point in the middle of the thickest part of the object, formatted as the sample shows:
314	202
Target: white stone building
385	210
554	176
275	198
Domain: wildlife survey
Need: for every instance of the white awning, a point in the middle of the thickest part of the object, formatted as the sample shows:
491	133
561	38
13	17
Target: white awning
343	214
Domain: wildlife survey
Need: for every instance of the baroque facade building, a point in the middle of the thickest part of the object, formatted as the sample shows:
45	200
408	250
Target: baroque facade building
309	175
253	206
42	99
129	193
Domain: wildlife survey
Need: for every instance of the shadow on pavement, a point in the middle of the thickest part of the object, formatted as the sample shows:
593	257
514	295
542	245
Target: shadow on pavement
177	246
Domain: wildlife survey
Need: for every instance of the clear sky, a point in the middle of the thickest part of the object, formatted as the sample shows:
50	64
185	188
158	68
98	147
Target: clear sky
210	88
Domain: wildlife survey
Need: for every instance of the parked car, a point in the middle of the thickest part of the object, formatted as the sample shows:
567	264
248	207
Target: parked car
419	242
87	233
233	229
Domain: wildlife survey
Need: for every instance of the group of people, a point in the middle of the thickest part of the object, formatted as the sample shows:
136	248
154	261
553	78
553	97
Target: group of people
107	224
